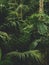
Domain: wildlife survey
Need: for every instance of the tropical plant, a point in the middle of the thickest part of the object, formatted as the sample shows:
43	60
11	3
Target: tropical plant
24	32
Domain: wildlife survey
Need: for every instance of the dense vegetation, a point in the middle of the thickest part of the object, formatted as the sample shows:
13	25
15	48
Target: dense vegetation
24	32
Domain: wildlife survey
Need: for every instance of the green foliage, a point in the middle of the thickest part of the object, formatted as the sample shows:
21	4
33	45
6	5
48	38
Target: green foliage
42	29
34	44
40	24
24	33
6	62
4	36
24	57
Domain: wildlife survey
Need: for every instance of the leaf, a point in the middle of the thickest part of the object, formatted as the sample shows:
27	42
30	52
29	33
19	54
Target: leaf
28	28
38	56
34	55
42	28
34	44
4	36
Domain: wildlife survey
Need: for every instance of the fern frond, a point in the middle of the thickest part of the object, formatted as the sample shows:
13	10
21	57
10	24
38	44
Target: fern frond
34	55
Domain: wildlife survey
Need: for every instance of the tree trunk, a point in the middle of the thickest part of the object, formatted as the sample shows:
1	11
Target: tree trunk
41	6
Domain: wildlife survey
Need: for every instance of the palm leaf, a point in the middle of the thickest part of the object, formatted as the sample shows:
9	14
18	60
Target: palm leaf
34	55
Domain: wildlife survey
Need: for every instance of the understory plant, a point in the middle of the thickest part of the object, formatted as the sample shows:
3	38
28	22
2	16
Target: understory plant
24	35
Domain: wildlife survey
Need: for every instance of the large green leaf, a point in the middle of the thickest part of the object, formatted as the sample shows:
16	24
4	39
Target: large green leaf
42	28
